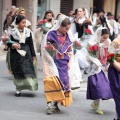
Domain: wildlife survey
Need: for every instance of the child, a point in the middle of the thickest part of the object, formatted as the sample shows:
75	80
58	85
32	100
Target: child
104	44
56	80
98	84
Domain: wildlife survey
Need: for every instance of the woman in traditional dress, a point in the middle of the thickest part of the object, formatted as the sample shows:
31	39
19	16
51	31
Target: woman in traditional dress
22	56
22	11
55	69
114	74
98	85
82	22
43	27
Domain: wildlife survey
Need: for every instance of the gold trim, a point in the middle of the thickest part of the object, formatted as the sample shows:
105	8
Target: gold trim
52	91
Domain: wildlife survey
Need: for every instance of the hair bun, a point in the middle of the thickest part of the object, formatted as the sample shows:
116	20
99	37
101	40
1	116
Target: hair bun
19	18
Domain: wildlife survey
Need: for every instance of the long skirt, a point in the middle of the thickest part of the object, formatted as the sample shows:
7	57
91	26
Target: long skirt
75	73
62	66
98	87
23	69
54	92
114	77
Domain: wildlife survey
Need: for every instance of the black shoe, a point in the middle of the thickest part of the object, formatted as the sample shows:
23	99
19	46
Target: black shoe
5	49
55	107
85	72
74	88
17	94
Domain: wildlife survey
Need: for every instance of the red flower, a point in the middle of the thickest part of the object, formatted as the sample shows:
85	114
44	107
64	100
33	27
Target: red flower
40	22
109	56
87	31
90	48
95	47
48	47
77	43
5	38
93	50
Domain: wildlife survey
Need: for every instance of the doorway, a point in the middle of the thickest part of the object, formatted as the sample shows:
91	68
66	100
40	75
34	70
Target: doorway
14	2
98	5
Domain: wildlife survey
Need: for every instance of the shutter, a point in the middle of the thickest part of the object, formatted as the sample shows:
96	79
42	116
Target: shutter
1	5
66	6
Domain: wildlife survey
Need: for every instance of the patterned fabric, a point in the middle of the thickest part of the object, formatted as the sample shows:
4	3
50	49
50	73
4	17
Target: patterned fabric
22	67
17	35
103	51
62	44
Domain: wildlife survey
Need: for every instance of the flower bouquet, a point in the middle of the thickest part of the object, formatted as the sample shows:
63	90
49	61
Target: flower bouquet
6	39
86	32
50	49
76	46
111	57
93	50
41	22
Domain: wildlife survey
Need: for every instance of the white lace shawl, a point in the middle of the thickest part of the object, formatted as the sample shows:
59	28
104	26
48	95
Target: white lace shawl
16	34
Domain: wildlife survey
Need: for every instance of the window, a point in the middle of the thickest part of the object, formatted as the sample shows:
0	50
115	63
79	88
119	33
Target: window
98	5
66	6
42	5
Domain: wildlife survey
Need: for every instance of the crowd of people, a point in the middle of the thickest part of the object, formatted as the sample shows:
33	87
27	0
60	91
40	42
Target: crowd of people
69	47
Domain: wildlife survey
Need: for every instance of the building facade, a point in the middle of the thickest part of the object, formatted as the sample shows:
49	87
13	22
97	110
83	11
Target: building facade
29	5
35	9
1	9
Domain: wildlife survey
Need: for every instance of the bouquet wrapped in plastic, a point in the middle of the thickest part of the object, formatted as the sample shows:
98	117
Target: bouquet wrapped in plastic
93	50
87	31
41	22
76	46
50	49
6	39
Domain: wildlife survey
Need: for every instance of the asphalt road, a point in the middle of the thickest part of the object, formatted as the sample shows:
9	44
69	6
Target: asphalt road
32	105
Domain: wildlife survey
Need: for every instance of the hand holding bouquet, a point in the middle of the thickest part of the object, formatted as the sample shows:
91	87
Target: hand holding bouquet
86	32
50	49
93	50
6	38
41	22
76	46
